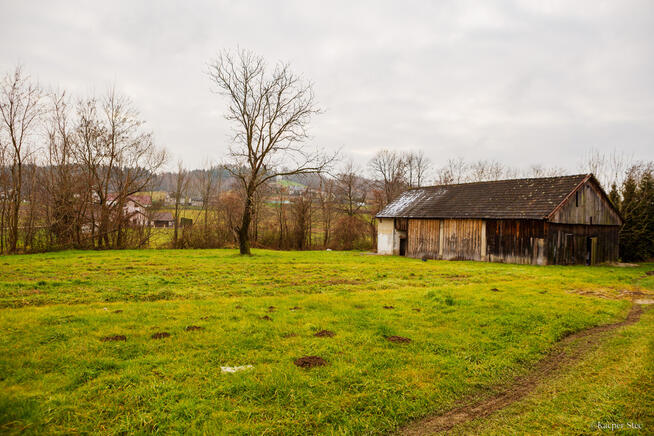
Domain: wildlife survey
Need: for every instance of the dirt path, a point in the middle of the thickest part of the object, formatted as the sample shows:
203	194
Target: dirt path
579	344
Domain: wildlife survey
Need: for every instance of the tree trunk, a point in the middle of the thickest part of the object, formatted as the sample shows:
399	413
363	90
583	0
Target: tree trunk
244	229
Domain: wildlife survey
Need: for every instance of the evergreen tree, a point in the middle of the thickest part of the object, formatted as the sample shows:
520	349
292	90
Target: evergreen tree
646	216
614	196
637	209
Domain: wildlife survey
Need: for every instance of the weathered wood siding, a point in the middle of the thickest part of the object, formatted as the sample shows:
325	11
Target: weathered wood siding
586	206
568	243
423	238
512	241
450	239
462	239
516	241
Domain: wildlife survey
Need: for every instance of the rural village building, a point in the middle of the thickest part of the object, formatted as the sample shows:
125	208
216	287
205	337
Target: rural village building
551	220
162	219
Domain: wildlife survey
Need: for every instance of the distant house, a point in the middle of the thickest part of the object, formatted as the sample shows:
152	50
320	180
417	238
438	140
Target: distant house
552	220
162	219
134	208
291	187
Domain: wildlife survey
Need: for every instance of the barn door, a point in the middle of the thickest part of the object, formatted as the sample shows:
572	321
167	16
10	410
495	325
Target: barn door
403	242
591	250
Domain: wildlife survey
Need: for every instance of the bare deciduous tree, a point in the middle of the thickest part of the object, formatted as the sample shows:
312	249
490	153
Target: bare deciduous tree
326	201
351	189
541	171
351	192
417	168
301	208
389	167
271	112
210	188
20	108
453	172
609	169
64	199
119	159
181	191
4	192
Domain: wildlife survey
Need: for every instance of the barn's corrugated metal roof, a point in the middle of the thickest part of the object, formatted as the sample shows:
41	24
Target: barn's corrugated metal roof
511	199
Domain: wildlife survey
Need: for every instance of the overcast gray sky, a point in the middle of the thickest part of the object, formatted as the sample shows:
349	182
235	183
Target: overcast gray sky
521	82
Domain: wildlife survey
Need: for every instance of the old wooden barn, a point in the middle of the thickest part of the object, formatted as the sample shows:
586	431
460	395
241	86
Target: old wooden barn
552	220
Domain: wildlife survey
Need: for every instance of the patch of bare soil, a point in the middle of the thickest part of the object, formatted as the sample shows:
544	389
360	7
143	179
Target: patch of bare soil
160	335
310	361
398	339
389	307
649	273
415	309
192	328
612	294
295	308
564	353
114	338
118	311
325	334
495	290
266	317
342	282
271	308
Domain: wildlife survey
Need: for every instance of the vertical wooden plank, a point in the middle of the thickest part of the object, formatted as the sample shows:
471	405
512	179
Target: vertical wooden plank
483	240
441	242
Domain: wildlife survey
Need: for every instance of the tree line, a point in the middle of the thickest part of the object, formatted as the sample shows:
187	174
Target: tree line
67	169
72	172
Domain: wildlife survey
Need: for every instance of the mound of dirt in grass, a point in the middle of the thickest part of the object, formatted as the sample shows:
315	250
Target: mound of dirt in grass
495	290
295	308
389	307
310	361
398	339
160	335
114	338
649	273
271	308
193	328
118	311
325	334
266	317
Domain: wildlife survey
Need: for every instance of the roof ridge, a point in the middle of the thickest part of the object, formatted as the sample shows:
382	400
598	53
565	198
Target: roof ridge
502	180
532	197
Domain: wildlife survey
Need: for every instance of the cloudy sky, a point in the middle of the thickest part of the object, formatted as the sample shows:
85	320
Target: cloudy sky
520	82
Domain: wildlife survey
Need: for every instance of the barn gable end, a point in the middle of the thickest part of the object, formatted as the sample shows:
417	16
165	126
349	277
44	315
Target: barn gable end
588	204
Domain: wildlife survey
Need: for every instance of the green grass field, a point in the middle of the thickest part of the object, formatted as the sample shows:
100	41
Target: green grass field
472	326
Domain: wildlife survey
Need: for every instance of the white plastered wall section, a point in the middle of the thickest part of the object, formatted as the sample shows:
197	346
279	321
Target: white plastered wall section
386	236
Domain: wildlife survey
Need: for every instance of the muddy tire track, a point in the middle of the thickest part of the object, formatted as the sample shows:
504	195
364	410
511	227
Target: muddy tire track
566	351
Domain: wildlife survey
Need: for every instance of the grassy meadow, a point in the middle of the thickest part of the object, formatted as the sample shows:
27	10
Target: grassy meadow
471	325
